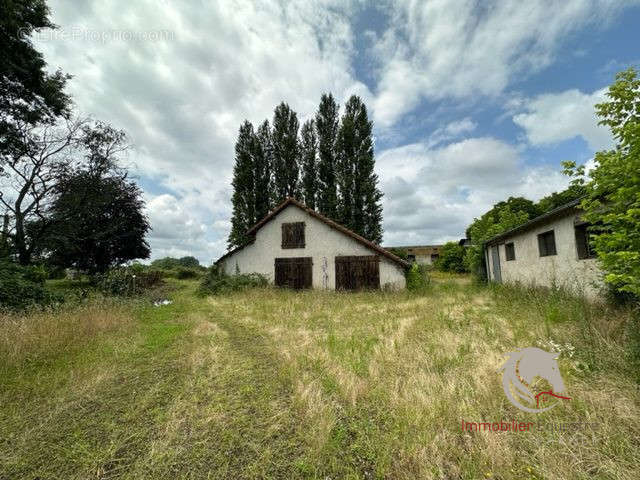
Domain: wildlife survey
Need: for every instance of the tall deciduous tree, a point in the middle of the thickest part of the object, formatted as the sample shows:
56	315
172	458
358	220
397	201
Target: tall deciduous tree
28	94
308	153
359	201
243	199
98	220
285	153
263	160
557	199
28	177
613	187
327	128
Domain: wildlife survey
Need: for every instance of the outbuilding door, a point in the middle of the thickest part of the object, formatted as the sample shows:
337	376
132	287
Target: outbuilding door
495	257
357	272
294	272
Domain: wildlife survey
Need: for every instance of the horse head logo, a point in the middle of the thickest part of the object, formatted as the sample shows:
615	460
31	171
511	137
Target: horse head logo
519	371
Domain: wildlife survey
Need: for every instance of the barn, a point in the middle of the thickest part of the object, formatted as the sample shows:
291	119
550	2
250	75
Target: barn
550	250
421	254
295	246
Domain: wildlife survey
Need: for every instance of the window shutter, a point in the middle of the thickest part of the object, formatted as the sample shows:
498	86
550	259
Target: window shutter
581	242
542	246
293	235
551	247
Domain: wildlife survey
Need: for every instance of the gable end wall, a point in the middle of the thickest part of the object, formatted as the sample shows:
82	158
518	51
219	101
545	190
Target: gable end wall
323	244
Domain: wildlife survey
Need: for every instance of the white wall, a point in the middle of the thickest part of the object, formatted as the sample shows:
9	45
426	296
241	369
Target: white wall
563	269
323	244
424	259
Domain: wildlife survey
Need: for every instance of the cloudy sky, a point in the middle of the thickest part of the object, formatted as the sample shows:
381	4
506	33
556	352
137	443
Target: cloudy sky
472	101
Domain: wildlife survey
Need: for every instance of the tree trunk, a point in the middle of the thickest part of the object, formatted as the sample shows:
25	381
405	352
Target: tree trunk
24	254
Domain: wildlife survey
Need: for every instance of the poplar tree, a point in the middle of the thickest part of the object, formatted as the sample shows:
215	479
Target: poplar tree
308	153
285	153
327	129
359	201
346	153
243	199
263	153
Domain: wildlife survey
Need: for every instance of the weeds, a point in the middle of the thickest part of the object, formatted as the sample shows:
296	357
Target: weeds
270	383
216	282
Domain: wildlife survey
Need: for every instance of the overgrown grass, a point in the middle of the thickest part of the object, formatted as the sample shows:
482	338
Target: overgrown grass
268	383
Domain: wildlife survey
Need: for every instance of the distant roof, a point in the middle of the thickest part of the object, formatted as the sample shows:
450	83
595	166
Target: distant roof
336	226
419	249
534	222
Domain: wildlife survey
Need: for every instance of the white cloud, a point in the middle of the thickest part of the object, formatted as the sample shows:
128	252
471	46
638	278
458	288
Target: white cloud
178	230
451	131
553	117
182	96
441	49
433	194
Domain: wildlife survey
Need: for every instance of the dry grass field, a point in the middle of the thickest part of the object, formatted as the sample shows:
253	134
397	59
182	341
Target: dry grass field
280	384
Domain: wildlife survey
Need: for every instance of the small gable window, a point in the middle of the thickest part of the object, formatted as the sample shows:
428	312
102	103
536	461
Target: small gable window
510	251
293	235
547	243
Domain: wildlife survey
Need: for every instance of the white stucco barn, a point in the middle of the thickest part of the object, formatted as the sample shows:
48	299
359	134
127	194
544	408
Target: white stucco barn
297	247
421	254
550	250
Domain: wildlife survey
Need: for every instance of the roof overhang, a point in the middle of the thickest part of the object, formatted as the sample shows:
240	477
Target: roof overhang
336	226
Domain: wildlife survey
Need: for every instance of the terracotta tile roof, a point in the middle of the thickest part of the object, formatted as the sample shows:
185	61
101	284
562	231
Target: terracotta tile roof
336	226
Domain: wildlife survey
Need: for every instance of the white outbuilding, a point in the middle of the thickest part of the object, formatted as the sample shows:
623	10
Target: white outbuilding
295	246
553	249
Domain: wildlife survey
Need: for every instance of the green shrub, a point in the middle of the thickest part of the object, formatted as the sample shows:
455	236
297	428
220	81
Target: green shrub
170	263
56	273
418	278
126	281
184	273
451	258
35	273
23	287
217	282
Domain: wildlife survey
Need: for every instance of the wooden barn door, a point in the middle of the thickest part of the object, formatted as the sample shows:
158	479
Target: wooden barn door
358	272
294	272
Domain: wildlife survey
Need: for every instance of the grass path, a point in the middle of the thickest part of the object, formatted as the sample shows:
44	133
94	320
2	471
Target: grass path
274	384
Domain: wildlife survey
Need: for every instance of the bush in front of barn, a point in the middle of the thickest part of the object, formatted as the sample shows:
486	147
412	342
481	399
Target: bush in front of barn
417	278
216	282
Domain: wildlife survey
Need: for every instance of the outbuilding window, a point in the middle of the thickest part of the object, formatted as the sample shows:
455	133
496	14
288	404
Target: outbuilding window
510	251
293	235
547	244
583	242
